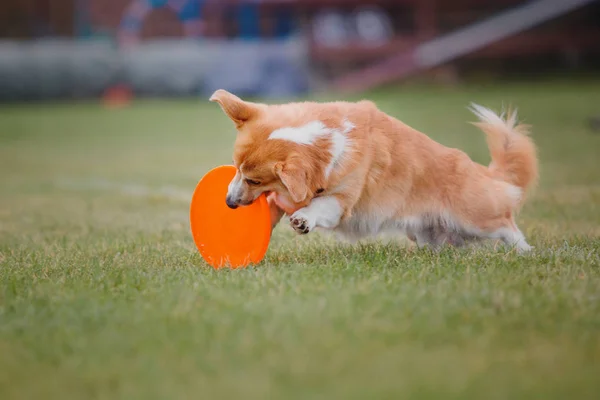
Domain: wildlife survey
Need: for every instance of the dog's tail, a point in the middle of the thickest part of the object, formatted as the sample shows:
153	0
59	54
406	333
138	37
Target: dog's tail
514	156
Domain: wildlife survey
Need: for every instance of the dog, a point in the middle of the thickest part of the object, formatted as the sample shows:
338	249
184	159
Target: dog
353	169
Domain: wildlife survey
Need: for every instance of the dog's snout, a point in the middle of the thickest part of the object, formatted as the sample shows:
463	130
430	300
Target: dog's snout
231	203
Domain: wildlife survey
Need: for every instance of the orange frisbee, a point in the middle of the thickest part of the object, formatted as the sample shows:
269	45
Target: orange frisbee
227	237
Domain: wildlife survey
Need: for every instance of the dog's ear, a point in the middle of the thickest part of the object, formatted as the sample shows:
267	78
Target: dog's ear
238	110
294	177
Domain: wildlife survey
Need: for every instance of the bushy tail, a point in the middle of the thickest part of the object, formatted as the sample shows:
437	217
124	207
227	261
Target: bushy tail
514	156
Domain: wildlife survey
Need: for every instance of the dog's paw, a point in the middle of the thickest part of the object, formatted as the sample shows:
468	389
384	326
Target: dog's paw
301	222
524	248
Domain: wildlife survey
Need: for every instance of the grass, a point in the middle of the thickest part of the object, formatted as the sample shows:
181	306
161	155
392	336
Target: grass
103	295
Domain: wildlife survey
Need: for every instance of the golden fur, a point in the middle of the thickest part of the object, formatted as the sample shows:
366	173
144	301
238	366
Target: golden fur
389	176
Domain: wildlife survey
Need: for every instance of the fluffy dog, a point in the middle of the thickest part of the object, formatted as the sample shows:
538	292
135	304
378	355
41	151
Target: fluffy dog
351	168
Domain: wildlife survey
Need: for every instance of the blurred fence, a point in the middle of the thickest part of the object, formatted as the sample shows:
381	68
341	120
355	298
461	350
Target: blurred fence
63	68
57	48
161	48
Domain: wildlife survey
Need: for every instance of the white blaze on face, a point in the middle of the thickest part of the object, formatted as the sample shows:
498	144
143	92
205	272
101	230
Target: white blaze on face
307	135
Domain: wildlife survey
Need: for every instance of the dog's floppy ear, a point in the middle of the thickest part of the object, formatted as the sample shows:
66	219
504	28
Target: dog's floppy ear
293	175
238	110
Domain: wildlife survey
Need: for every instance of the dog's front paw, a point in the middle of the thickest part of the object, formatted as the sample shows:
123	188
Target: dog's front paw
301	222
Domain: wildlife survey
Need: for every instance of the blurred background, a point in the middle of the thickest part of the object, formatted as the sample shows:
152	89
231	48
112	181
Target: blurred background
280	48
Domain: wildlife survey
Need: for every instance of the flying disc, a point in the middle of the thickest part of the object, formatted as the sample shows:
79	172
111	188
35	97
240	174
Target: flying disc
226	237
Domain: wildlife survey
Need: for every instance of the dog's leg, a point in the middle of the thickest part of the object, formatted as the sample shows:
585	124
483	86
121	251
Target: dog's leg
437	236
513	238
324	212
509	234
488	214
411	236
424	236
453	237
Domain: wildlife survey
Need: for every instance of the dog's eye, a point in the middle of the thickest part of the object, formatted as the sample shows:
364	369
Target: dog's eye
252	182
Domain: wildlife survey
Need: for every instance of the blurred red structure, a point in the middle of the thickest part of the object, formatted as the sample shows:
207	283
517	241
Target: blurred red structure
416	21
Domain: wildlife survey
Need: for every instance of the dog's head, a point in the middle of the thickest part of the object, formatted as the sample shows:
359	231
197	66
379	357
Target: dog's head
264	164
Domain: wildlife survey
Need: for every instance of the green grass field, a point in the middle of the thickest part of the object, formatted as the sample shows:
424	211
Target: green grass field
103	294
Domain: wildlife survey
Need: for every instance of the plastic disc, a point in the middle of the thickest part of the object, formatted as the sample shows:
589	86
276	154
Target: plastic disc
226	237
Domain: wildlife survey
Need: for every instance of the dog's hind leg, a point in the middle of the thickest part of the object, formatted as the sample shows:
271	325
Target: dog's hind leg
486	210
436	236
507	231
425	236
513	237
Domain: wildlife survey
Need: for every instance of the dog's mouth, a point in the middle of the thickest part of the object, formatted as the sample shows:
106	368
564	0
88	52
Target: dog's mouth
240	203
233	203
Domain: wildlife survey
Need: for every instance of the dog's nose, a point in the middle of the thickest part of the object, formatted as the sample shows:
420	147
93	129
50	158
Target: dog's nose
231	203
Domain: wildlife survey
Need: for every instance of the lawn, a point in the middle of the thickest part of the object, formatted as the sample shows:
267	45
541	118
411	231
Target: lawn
103	294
